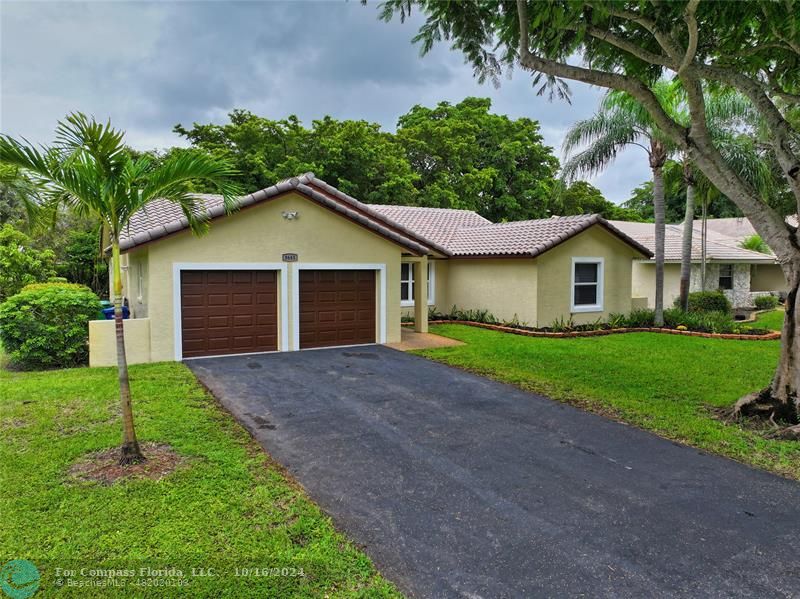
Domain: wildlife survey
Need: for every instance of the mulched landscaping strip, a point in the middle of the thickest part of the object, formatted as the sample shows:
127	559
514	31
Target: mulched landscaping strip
517	331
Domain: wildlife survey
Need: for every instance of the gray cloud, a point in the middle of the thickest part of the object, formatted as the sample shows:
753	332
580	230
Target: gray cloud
149	66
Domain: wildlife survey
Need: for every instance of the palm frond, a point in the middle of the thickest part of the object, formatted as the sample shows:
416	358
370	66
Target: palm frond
172	181
594	159
78	136
601	136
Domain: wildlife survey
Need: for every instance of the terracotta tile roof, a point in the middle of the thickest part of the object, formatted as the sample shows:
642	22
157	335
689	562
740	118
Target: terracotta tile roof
436	224
719	248
422	230
739	228
161	218
529	237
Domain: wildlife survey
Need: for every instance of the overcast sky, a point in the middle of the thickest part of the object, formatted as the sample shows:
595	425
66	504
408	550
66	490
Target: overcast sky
148	66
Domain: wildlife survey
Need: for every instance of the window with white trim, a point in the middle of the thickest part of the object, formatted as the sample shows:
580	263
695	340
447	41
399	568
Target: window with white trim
407	283
587	285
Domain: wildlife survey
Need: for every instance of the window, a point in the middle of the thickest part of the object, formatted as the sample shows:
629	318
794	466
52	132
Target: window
726	276
407	283
587	285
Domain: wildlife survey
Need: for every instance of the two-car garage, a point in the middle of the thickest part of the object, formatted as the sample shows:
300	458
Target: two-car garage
237	311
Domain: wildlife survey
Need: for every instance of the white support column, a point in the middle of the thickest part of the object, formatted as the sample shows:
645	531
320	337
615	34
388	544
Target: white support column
421	295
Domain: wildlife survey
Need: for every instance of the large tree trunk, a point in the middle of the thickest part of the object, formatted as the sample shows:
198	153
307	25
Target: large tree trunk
129	451
658	208
781	400
688	230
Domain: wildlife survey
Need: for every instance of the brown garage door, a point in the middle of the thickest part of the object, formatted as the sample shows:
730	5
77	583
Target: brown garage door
337	307
228	312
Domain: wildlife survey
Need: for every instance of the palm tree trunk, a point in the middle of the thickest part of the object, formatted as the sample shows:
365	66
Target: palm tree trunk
658	208
129	452
688	230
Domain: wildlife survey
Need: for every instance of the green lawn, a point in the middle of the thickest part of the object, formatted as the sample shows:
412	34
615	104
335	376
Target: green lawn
228	508
772	320
668	384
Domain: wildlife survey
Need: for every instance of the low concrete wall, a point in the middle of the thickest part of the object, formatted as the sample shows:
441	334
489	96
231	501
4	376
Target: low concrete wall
103	344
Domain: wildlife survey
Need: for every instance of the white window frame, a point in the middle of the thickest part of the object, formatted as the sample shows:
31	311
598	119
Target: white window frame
431	284
597	307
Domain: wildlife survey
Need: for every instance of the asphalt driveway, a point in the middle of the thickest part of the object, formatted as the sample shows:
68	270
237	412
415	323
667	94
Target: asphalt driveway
456	485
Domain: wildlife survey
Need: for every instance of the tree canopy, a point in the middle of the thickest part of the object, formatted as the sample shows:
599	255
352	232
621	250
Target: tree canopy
449	156
584	198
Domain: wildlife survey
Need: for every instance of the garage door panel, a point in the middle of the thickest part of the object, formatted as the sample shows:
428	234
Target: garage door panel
266	298
228	312
245	320
243	299
337	307
217	277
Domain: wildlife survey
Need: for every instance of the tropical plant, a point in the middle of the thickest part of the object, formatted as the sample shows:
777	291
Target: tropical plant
750	47
754	243
563	324
88	170
623	122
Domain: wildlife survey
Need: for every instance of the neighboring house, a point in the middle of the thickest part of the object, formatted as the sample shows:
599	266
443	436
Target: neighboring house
302	265
741	274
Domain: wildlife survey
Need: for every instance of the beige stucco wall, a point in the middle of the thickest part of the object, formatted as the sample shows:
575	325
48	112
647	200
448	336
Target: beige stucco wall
103	342
644	282
261	235
504	287
555	276
767	277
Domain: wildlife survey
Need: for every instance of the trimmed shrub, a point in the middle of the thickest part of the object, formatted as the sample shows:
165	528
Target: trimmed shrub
703	322
765	302
46	325
708	301
638	319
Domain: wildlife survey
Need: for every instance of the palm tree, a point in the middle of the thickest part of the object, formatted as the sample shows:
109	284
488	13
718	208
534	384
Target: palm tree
89	170
622	122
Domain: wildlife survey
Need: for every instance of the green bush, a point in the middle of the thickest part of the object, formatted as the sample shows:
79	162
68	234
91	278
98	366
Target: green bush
708	301
46	325
703	322
765	302
642	318
20	262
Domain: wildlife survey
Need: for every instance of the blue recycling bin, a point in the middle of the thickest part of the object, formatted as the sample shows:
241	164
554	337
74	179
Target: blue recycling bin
109	312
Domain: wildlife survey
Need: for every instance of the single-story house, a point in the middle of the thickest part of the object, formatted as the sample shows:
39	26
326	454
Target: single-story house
301	265
740	273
